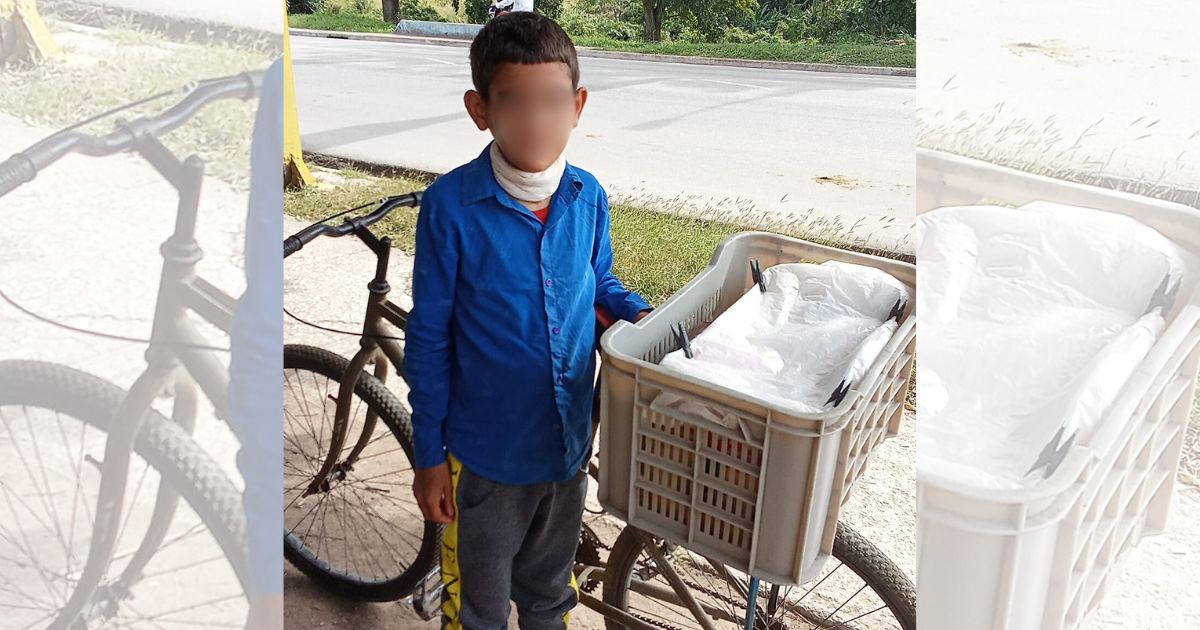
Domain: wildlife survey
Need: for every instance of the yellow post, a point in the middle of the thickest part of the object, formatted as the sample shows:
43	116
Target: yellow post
23	34
295	171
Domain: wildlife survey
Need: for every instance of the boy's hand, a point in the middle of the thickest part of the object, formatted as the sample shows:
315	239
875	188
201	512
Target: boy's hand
435	493
641	315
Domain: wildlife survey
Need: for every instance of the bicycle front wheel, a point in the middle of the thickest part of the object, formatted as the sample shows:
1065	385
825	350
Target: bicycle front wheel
53	427
359	534
859	589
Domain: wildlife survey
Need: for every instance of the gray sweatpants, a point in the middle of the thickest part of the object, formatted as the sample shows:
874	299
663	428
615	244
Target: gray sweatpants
511	543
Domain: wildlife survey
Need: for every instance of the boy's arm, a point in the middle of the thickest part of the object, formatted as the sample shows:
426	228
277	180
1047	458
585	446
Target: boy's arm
611	294
428	343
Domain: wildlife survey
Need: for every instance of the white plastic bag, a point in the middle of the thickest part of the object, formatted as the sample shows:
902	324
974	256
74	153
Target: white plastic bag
1037	316
814	332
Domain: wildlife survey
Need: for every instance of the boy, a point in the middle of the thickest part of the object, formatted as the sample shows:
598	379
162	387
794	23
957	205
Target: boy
512	255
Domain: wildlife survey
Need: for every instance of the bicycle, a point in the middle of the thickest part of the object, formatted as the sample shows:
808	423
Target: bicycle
137	443
643	585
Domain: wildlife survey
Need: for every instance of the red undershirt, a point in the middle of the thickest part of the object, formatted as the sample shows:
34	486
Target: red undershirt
542	214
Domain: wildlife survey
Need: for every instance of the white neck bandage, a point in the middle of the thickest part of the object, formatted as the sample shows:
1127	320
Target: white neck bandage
525	186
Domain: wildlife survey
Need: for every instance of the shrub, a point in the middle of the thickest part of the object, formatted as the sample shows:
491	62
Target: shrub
305	6
549	8
418	10
477	10
579	23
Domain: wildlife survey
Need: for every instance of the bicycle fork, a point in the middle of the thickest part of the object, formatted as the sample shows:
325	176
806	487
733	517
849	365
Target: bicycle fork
369	350
118	449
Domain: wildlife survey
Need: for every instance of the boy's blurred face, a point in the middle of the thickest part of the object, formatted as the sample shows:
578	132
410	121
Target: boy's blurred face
530	110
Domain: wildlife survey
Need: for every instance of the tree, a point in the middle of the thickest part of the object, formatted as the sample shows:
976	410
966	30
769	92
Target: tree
391	11
711	17
23	34
654	12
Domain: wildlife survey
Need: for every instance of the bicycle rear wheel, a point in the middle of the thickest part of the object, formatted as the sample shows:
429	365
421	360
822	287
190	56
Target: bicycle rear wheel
360	534
859	589
53	426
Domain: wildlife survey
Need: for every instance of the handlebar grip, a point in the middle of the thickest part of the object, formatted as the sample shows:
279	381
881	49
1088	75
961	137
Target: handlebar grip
14	172
291	245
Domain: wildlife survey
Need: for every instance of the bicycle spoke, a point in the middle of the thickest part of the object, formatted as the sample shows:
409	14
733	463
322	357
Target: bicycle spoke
27	548
374	527
77	471
847	603
207	603
842	624
50	520
362	524
133	502
52	511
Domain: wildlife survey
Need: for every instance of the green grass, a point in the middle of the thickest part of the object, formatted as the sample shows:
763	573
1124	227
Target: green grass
103	69
346	188
345	22
899	55
655	254
655	250
341	16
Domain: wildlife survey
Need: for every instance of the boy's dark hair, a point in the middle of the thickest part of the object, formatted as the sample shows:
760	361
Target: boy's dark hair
521	37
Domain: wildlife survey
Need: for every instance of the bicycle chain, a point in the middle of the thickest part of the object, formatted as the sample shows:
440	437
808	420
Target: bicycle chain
588	554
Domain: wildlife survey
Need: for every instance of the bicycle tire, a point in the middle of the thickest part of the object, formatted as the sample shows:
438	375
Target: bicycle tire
870	564
164	445
390	410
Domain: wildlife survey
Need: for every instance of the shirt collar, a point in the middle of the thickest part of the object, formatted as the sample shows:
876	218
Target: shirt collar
479	182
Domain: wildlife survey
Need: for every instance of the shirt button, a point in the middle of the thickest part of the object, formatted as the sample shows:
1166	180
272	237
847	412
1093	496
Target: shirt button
555	330
549	282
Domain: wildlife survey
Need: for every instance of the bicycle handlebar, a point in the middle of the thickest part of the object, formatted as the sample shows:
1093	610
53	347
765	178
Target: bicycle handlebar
24	166
295	242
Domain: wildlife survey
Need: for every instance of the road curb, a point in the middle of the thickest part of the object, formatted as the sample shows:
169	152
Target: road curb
613	54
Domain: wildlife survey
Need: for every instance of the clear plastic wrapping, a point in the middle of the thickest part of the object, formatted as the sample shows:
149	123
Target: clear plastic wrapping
1036	318
800	344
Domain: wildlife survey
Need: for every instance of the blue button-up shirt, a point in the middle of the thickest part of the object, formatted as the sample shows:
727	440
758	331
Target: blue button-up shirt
499	349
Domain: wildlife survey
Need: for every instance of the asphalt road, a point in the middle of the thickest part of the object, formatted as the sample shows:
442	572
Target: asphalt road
825	148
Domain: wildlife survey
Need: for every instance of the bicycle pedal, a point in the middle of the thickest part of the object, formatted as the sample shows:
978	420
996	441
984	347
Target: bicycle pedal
427	601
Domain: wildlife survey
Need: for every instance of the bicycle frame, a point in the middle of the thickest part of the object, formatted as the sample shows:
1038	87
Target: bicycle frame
377	338
175	343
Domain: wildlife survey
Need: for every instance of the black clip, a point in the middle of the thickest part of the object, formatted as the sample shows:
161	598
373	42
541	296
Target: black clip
1054	453
756	273
897	310
1164	295
682	337
839	393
